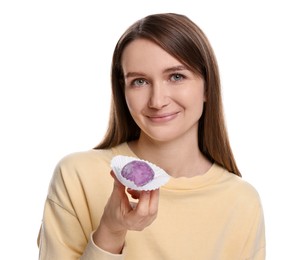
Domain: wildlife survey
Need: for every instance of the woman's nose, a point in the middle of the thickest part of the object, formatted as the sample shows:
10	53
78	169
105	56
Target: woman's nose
159	97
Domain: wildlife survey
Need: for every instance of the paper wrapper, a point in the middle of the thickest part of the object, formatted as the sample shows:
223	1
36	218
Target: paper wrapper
160	176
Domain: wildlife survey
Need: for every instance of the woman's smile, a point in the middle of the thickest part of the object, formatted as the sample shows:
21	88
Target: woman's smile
163	118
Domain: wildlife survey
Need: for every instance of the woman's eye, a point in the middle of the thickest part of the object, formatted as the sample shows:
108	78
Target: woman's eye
176	77
138	82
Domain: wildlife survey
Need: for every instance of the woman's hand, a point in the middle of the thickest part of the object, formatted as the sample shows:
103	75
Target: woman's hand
120	216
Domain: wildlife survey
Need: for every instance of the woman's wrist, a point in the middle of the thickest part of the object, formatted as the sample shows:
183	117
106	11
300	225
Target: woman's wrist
108	240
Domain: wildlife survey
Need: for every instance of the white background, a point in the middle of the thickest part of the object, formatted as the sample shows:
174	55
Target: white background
54	99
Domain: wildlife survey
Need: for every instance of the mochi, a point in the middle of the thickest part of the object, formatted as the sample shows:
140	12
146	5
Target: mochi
138	172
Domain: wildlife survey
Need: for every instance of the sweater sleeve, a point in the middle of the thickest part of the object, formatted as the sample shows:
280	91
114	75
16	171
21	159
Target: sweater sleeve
66	227
94	252
255	247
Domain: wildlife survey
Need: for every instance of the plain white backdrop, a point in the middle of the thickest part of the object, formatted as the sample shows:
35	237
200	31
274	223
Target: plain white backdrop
55	90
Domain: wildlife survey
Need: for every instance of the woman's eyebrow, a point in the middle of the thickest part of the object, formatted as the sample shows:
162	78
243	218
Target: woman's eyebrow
175	68
134	74
167	70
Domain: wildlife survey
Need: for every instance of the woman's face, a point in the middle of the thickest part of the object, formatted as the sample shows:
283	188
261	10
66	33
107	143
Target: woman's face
164	98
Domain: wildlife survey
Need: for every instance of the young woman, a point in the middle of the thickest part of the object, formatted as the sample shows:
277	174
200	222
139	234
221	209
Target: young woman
166	109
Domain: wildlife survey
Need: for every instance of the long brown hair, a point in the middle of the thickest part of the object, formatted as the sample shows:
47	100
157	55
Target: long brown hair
185	41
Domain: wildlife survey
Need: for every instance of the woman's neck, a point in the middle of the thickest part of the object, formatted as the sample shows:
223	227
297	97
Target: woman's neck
177	158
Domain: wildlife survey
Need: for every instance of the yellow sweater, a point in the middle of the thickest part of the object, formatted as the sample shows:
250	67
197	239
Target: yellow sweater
214	216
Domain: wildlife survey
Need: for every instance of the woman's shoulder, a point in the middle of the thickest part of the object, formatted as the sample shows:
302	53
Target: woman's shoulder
239	186
91	156
84	167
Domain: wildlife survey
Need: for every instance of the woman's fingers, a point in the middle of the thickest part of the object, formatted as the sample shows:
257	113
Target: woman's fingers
143	205
134	215
145	211
134	193
154	201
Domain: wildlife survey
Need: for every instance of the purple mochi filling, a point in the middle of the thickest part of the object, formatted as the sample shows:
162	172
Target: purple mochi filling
138	172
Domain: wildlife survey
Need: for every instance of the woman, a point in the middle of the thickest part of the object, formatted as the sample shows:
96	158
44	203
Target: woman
166	109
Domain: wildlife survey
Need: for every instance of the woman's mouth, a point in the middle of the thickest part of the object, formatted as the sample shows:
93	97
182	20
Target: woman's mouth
161	118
